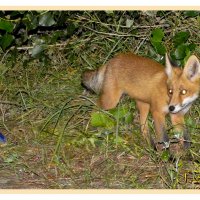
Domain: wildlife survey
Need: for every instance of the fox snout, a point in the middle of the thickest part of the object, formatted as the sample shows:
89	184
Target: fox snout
175	108
184	105
171	108
178	108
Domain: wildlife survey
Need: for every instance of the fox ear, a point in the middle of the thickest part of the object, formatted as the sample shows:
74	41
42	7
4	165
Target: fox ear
168	66
192	68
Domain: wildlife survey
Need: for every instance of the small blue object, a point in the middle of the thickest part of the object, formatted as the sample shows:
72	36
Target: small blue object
2	138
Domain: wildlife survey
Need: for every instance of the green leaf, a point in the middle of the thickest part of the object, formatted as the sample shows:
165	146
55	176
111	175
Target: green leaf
165	156
192	46
159	47
6	25
70	29
156	40
180	163
157	35
37	50
119	112
13	157
180	38
99	119
129	23
109	12
31	21
46	20
191	13
6	41
55	36
129	118
122	113
92	141
181	51
188	54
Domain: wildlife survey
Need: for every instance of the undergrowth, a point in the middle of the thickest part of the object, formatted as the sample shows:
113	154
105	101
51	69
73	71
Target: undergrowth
56	135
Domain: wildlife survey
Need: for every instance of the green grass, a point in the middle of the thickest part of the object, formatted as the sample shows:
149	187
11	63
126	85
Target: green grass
46	118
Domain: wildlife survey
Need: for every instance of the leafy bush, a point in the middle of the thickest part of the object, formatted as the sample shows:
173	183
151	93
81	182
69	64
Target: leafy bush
36	30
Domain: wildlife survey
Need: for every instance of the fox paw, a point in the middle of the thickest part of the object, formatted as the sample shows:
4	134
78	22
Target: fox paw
162	146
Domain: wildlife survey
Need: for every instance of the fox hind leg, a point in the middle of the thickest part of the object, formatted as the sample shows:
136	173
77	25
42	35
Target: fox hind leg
143	112
110	95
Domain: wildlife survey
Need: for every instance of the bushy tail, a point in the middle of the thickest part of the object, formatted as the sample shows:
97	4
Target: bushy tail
93	80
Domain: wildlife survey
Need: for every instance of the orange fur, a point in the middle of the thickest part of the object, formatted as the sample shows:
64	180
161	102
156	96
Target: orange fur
148	82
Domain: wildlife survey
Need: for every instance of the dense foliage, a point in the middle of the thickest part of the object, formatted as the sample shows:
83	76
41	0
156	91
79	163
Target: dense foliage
36	30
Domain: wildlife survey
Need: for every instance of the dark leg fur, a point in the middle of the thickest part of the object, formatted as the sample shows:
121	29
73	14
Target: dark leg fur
186	138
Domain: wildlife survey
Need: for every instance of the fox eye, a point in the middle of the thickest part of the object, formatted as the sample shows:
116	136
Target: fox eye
183	92
170	91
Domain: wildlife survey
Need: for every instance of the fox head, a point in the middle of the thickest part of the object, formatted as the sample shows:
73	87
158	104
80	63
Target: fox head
183	84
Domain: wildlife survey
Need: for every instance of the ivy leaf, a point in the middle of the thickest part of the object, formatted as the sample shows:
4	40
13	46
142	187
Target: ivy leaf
46	20
37	50
122	113
109	12
180	38
30	21
157	35
6	40
181	51
99	119
6	25
159	47
156	40
191	13
129	23
192	46
119	112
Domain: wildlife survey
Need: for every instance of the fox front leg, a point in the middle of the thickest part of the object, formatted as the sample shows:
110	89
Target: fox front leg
160	128
180	130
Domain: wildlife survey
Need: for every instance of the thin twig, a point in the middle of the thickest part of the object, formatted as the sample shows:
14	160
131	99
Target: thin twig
121	26
140	44
112	50
51	45
3	119
5	55
10	103
114	34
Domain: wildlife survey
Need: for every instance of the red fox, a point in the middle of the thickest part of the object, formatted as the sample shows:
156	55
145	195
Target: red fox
155	88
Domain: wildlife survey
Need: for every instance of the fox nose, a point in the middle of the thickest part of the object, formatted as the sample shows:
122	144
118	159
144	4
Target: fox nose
171	108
